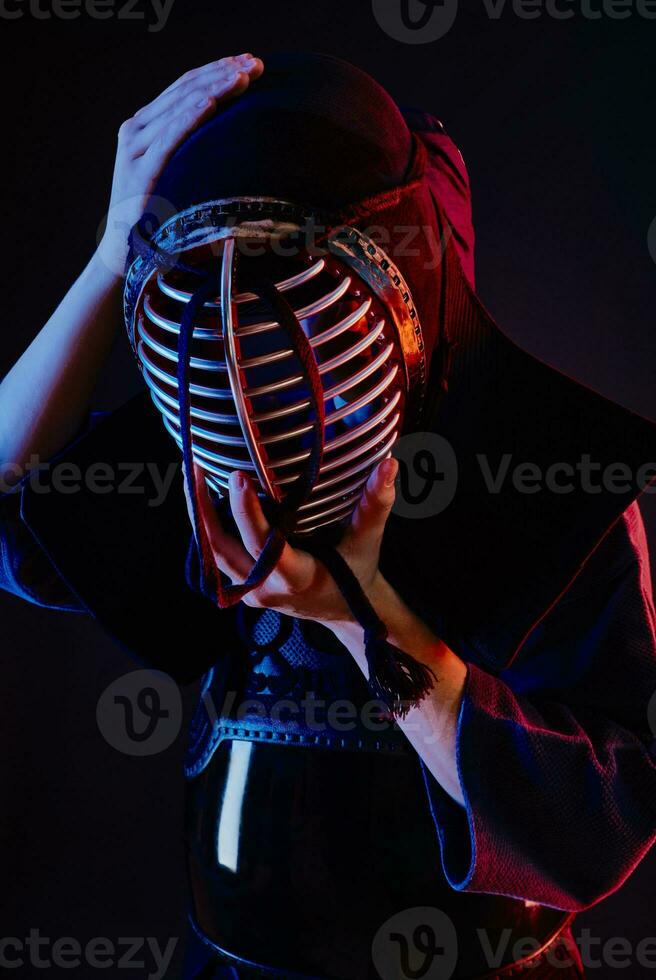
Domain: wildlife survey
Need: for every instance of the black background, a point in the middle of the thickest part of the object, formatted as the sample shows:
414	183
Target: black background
555	120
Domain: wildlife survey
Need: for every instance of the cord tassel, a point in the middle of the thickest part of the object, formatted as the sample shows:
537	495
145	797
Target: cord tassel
395	678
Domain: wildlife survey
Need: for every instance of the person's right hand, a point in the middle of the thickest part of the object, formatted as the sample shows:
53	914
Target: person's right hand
150	137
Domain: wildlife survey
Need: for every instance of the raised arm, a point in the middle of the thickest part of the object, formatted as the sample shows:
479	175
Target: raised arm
44	398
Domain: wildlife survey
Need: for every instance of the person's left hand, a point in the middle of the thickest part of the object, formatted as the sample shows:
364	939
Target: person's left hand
299	585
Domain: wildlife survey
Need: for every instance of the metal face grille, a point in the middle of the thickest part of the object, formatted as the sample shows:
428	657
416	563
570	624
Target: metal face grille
250	408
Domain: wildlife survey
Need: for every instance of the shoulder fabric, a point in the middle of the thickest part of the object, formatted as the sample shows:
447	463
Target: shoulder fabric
556	754
449	181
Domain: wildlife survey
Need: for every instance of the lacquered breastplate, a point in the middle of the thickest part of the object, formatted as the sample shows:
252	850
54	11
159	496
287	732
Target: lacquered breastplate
303	841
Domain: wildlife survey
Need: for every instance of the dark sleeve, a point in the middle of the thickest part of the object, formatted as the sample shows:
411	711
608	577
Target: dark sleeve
449	180
555	755
122	548
25	569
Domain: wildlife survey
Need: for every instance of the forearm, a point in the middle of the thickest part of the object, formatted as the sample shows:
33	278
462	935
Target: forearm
45	396
431	727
